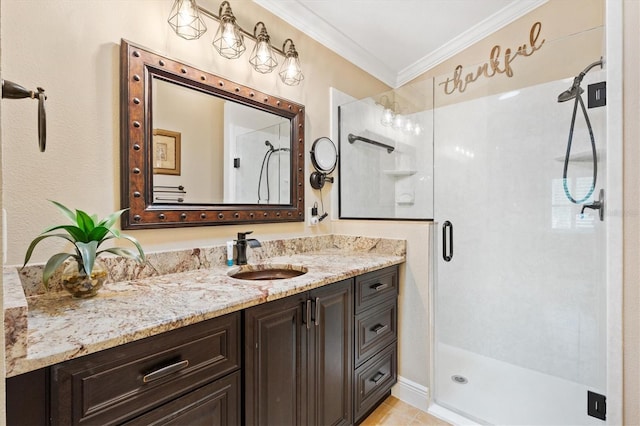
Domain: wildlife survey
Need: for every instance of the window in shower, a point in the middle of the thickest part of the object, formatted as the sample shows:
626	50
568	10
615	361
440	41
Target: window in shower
386	155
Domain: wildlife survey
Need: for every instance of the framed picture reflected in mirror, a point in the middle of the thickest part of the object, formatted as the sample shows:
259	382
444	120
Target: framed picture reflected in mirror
166	152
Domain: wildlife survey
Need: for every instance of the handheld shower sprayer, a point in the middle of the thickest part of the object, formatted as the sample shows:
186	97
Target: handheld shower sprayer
575	92
270	145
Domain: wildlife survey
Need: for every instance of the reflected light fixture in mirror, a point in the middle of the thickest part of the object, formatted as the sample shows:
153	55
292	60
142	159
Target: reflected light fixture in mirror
228	40
262	58
291	73
388	111
185	20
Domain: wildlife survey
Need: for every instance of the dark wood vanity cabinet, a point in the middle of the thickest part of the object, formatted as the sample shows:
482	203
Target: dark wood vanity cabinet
185	376
298	359
375	340
322	357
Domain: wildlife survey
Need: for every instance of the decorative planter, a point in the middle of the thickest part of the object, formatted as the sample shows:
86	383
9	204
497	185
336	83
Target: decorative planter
76	281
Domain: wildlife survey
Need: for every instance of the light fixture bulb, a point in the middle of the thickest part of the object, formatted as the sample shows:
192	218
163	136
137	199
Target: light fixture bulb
185	19
262	57
398	122
228	40
408	125
417	129
387	117
291	73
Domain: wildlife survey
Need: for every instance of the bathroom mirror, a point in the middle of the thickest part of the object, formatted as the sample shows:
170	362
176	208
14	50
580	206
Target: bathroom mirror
324	157
198	149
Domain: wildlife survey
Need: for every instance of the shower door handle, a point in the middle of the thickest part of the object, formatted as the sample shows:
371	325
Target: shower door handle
447	254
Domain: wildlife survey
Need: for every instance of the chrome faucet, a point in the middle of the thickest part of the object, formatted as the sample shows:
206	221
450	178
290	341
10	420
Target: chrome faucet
241	246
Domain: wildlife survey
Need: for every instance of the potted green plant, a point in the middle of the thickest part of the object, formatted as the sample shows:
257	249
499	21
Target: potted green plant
84	275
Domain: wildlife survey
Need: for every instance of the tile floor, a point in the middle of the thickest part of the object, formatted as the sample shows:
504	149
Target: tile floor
393	412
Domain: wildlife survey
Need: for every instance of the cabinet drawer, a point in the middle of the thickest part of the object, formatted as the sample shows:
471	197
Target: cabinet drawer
375	329
118	384
374	379
375	287
216	403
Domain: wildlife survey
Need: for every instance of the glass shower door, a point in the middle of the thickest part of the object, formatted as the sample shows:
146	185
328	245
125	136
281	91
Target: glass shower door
520	300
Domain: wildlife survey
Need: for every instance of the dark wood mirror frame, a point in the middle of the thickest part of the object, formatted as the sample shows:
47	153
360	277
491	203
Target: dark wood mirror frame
138	66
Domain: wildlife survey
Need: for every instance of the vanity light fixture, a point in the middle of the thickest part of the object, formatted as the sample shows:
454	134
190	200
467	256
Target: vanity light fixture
290	73
228	40
398	121
185	19
262	57
388	111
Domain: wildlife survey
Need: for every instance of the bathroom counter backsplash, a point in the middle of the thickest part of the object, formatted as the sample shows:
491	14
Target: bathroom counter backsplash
174	289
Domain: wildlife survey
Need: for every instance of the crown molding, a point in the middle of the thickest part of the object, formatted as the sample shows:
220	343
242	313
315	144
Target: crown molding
478	32
297	15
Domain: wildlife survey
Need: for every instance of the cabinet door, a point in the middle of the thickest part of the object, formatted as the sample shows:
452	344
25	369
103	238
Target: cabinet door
331	355
275	362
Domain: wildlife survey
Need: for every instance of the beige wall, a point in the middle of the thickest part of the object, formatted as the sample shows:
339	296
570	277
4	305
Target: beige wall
631	213
71	49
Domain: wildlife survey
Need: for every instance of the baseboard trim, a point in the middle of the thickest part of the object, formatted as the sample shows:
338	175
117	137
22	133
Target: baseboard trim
412	393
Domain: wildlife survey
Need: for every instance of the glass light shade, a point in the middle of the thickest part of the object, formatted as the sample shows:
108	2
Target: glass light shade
387	117
228	40
291	73
398	122
262	59
185	19
408	126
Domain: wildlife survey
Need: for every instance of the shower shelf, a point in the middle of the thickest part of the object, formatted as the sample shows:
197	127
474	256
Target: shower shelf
399	173
583	157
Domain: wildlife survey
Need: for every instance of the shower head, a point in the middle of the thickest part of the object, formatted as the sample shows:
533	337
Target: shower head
567	95
575	88
267	143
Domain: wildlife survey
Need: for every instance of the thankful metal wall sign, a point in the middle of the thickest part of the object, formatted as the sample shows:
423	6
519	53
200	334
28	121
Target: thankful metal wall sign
498	63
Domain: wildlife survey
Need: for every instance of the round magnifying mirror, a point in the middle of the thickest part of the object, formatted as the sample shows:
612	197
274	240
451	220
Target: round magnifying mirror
324	158
324	155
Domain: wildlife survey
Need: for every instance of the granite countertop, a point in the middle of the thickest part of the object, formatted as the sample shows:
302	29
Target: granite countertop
43	329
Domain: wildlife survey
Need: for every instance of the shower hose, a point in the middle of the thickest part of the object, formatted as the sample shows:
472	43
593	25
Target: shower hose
578	100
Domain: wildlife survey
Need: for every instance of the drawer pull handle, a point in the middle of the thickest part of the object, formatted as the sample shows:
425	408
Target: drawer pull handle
308	314
379	286
379	328
165	371
379	376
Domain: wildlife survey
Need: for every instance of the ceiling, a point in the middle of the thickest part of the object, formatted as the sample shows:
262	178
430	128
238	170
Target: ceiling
397	40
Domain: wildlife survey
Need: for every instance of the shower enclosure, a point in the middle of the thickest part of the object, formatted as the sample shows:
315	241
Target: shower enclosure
261	170
518	286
